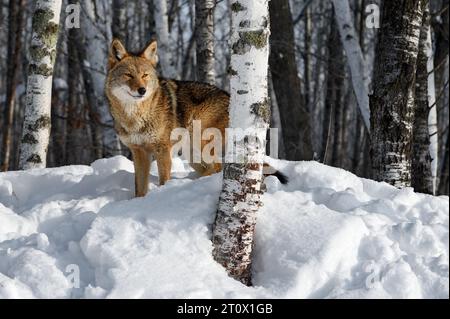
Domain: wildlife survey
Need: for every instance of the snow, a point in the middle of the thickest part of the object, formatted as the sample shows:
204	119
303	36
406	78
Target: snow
326	234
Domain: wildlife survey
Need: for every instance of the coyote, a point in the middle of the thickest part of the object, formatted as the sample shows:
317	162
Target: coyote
146	108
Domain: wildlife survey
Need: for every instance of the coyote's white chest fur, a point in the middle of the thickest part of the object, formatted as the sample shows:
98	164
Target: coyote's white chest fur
140	132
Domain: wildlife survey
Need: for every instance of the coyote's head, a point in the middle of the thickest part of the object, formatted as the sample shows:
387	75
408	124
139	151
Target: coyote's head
132	77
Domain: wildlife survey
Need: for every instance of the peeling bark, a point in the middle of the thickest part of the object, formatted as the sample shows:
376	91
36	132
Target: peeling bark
249	109
36	126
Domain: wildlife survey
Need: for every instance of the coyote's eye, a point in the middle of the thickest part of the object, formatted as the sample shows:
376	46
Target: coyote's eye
128	75
145	75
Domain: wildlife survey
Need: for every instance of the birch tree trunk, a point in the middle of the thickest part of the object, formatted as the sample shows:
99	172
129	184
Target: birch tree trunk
295	117
392	102
36	126
97	35
165	48
249	110
204	30
422	179
355	58
432	116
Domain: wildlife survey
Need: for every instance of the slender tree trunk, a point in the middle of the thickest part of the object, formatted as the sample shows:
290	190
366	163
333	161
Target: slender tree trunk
392	102
295	118
119	25
165	48
249	110
444	180
307	58
355	56
97	36
433	127
36	126
204	31
333	99
422	179
16	12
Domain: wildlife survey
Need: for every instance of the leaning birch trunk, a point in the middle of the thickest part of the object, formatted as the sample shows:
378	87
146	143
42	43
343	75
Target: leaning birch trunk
432	117
204	30
392	102
165	48
422	179
36	126
250	111
97	35
355	58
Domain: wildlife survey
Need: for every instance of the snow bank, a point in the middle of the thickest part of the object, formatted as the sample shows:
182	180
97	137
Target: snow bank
327	234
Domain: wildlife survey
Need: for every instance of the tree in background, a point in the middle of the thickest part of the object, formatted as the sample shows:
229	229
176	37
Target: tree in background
392	101
294	114
422	178
15	28
36	126
204	30
167	59
249	110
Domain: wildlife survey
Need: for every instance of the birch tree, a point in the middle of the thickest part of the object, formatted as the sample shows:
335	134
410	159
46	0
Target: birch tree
433	128
165	48
249	110
422	179
392	102
42	55
204	30
96	28
355	58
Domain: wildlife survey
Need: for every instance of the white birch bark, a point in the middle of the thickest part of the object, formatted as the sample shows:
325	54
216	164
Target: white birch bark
249	110
42	55
168	63
96	27
432	116
355	57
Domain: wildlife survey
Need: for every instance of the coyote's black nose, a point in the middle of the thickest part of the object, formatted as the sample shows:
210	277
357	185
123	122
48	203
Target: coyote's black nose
142	91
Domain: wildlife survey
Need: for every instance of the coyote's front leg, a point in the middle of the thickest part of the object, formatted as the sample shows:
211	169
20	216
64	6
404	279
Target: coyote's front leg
164	160
141	160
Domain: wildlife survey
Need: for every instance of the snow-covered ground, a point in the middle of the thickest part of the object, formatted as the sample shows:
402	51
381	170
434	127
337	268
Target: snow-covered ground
327	234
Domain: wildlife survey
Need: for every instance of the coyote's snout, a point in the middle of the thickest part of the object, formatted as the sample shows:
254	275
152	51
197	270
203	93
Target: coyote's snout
146	108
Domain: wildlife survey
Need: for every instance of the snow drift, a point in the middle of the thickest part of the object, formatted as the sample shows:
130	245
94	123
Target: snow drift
326	234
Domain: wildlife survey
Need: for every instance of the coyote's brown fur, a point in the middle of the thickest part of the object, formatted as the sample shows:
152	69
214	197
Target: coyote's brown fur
146	108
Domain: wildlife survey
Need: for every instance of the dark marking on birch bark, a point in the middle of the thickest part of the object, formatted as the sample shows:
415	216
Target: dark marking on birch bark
261	110
29	139
41	69
34	158
42	122
232	71
237	7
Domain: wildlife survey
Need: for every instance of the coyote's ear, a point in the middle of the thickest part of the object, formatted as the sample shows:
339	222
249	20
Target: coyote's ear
151	53
116	53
